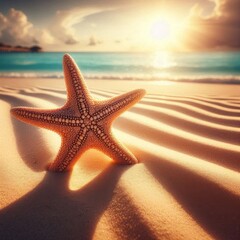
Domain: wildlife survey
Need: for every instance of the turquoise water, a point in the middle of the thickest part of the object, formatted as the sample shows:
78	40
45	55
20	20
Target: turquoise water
204	67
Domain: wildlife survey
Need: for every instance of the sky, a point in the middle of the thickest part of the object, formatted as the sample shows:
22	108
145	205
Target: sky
122	25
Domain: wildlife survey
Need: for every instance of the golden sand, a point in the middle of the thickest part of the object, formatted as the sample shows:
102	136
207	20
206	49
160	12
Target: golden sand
186	185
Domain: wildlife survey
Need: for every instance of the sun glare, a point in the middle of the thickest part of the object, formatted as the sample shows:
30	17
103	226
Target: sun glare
161	30
163	60
164	32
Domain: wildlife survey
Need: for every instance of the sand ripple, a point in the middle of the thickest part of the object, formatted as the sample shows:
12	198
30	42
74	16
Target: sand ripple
185	187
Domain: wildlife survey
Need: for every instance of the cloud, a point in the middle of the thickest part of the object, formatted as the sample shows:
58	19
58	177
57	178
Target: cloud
15	28
43	36
218	31
63	25
71	40
93	41
118	41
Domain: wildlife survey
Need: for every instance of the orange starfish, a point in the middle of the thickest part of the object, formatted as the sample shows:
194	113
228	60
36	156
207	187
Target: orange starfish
82	122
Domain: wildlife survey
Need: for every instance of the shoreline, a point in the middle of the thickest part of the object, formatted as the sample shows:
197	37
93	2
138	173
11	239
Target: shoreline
231	79
157	87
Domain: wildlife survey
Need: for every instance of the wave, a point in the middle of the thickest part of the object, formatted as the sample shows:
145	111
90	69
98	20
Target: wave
230	79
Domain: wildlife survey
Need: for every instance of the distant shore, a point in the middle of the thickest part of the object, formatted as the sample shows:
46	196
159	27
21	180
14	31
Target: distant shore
9	48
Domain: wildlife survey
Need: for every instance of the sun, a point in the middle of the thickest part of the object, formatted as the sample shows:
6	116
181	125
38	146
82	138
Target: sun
164	33
161	30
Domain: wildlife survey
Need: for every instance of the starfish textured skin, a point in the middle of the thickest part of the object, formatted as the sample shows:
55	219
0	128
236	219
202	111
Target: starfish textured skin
83	122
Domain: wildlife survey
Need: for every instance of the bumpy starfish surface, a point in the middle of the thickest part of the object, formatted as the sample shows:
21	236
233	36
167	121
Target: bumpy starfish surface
82	122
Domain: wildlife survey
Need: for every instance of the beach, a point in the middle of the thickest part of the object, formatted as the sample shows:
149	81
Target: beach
186	185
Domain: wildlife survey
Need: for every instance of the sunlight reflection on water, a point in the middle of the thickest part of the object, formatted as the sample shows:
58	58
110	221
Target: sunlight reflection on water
163	60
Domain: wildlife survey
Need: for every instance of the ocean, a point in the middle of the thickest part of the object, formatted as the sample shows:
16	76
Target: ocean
205	67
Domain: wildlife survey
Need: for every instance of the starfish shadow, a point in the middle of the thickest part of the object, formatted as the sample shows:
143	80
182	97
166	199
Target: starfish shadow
52	211
212	207
29	138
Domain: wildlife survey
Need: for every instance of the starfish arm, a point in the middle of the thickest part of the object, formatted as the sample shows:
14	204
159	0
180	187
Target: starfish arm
77	92
55	119
38	117
72	146
115	106
113	148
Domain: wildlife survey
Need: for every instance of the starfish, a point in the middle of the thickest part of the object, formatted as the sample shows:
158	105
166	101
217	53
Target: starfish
83	122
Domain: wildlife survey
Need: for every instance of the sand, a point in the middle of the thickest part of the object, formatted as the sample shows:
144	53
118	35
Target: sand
186	186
